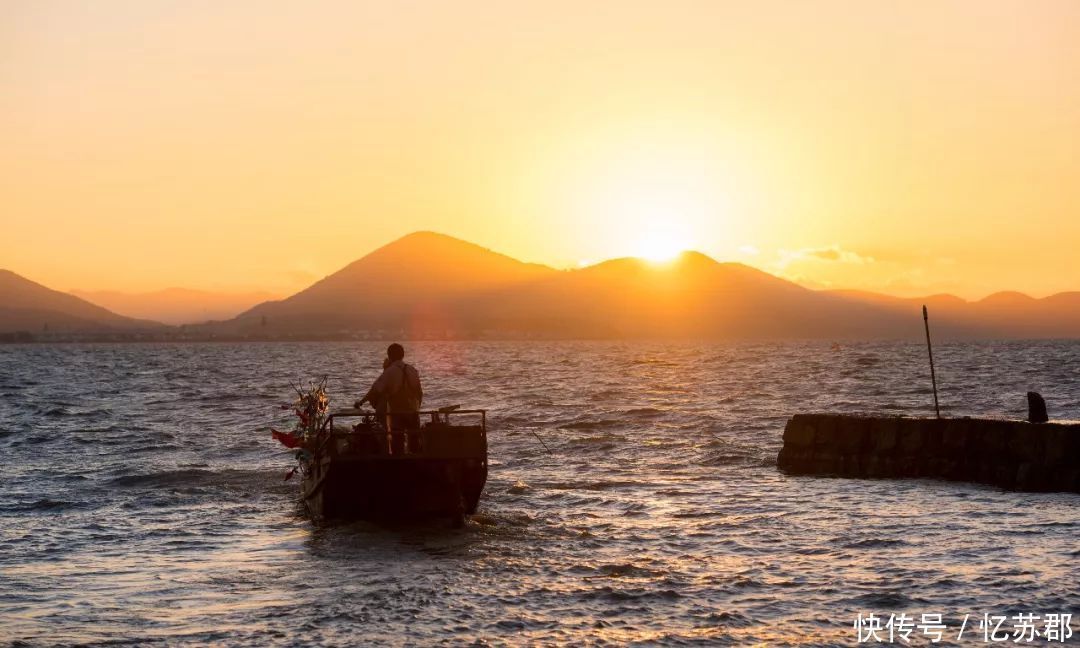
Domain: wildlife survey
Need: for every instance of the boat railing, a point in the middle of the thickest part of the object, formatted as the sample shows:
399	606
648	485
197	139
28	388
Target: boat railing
382	425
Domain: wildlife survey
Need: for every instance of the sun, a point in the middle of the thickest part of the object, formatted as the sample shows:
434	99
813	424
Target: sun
650	200
660	247
660	240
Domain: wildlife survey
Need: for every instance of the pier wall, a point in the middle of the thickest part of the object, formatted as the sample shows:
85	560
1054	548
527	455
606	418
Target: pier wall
1010	454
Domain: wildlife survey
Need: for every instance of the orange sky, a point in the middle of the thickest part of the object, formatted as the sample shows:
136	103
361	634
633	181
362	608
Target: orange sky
906	147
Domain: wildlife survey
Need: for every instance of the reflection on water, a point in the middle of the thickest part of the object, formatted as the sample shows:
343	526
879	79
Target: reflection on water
144	498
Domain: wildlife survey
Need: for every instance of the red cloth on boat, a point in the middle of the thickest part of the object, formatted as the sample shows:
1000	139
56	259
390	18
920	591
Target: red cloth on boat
287	439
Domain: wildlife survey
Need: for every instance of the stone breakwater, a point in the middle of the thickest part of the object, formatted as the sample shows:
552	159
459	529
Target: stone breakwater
1011	454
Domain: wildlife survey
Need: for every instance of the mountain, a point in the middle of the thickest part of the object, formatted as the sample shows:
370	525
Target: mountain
432	285
28	306
176	305
692	296
1000	315
415	280
428	285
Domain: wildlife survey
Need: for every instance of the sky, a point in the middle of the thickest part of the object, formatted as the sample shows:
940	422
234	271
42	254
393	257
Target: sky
902	147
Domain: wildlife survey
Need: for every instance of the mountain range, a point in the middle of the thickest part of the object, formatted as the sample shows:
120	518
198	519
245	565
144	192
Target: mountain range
175	305
30	308
428	285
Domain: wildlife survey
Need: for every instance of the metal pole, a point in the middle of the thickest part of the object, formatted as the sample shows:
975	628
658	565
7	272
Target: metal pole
930	350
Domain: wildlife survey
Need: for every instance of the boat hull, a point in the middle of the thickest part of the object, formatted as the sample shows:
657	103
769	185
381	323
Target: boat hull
436	471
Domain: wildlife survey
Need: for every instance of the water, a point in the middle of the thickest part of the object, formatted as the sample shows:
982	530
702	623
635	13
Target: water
143	499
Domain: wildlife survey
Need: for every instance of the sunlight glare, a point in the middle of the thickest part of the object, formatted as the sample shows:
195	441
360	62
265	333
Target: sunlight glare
651	198
661	246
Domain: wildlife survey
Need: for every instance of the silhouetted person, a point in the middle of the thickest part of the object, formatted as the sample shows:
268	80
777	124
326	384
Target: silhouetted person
397	392
1036	408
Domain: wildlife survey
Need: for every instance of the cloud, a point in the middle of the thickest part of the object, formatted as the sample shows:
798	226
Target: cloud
830	254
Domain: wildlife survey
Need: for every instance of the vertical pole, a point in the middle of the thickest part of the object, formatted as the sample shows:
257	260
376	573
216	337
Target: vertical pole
930	350
389	434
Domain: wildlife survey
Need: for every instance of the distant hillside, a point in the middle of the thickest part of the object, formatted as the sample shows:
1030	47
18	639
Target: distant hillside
414	280
428	285
1001	315
693	296
28	306
176	305
432	285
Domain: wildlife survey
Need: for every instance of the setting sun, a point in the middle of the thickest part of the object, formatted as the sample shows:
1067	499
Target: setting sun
660	247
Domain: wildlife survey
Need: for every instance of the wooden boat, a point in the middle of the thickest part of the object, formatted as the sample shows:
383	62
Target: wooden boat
359	470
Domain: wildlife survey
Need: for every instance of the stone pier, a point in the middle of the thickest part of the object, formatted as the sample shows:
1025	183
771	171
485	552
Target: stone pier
1011	454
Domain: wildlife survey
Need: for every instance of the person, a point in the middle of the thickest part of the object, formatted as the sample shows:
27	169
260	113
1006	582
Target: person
397	391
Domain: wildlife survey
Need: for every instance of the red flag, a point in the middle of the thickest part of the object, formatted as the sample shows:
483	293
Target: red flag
287	439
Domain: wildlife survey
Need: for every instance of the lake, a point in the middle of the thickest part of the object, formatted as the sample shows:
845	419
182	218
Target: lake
633	497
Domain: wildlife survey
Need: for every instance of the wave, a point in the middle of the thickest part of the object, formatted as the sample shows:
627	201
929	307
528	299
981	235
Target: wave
729	458
593	425
885	600
624	570
630	594
195	477
660	362
591	485
45	504
598	439
730	619
871	543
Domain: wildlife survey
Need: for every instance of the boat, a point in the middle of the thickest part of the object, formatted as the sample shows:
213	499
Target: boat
357	469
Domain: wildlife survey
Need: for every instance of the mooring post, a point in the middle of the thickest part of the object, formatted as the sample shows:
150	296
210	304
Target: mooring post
930	351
